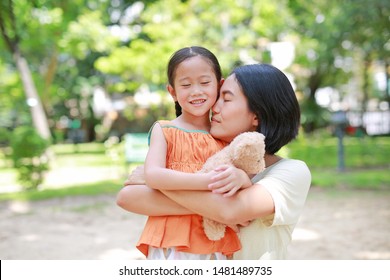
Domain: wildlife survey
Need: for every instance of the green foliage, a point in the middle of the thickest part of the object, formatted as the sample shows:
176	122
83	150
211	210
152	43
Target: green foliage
88	34
321	27
356	179
237	37
4	136
71	48
320	151
313	116
366	160
28	155
104	187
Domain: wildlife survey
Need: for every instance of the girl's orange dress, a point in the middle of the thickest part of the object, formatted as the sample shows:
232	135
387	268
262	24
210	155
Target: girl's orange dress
187	150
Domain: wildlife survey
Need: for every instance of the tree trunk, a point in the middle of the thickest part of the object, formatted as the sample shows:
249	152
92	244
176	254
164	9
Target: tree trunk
387	71
38	115
366	81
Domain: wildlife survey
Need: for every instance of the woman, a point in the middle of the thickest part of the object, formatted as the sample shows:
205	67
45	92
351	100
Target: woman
259	98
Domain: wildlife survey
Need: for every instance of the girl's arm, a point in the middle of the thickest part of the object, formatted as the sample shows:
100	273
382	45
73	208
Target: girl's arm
159	177
143	200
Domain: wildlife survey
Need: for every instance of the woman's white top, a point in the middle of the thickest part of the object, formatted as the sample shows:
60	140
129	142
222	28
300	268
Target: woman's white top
288	181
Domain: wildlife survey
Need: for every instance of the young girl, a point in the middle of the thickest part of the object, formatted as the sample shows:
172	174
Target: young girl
184	144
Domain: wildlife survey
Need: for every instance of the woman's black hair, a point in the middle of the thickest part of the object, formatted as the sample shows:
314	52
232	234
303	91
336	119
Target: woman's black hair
271	97
185	53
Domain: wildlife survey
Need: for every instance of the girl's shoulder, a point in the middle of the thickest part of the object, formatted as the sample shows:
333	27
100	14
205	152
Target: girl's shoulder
164	124
174	133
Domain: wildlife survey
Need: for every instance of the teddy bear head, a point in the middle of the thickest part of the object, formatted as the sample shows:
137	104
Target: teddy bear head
247	152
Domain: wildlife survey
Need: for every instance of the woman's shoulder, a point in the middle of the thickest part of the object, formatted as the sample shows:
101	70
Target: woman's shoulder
292	163
293	166
286	169
292	170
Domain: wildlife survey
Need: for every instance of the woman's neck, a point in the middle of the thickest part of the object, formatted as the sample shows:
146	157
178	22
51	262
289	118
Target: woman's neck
271	159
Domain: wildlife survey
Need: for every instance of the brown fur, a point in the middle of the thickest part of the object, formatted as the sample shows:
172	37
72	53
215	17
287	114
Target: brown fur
246	152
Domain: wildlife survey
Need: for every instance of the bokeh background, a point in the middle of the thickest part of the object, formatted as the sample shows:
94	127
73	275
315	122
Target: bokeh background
82	81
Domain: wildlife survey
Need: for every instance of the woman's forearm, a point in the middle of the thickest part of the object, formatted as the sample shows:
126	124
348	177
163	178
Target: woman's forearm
204	203
247	204
143	200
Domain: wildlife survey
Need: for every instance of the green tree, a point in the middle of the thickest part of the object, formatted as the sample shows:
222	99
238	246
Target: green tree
45	33
239	35
28	156
336	40
86	39
319	27
12	33
369	34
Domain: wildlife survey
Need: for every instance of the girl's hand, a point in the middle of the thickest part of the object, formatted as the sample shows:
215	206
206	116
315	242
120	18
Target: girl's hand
137	177
228	180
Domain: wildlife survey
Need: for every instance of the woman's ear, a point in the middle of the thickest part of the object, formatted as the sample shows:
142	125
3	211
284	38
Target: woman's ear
255	121
172	92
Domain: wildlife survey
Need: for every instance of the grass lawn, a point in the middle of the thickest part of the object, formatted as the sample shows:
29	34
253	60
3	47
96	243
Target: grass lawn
366	161
96	188
367	164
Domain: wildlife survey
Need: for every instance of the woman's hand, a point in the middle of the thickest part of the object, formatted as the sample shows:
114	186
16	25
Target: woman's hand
137	177
228	180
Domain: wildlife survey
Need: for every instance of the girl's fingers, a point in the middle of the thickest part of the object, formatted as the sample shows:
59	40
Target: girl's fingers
222	168
231	192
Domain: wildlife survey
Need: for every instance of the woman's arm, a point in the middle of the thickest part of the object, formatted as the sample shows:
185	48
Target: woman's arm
229	210
159	177
143	200
246	205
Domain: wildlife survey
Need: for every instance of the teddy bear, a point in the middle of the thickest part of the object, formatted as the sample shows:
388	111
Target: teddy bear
245	152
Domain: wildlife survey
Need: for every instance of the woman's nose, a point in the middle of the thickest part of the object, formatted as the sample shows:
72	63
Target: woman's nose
216	107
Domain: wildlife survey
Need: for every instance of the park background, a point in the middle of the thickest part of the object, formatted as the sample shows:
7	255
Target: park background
77	77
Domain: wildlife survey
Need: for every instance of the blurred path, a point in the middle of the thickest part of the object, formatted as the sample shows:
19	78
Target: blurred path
334	225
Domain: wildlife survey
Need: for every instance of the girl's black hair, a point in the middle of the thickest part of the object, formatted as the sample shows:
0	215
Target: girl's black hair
185	53
273	100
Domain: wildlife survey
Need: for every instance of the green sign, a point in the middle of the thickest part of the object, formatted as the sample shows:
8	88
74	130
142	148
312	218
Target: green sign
136	147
